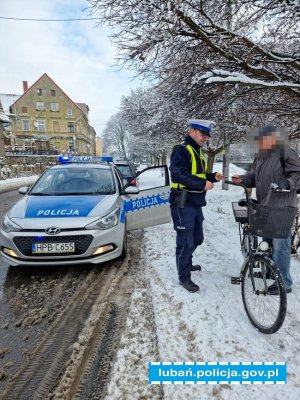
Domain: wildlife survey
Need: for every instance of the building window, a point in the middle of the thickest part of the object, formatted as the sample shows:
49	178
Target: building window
71	146
54	106
69	112
53	92
39	92
24	110
41	126
40	105
55	126
71	127
25	123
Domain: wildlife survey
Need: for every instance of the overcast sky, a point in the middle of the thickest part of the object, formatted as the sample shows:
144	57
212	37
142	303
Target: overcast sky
78	56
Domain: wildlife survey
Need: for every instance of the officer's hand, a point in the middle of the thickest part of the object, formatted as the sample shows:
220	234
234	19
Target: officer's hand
208	186
236	179
219	176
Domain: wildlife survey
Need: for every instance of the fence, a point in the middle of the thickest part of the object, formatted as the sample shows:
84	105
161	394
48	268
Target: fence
16	166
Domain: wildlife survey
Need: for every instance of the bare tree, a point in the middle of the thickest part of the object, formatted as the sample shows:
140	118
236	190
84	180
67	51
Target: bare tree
154	122
242	73
151	32
114	136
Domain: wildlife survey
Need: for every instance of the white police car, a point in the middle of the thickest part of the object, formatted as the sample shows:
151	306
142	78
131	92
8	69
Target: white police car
79	212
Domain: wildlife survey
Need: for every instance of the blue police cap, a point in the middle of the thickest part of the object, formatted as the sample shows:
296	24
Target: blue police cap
203	125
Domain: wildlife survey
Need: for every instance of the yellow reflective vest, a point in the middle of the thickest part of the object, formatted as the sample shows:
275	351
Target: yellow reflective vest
196	158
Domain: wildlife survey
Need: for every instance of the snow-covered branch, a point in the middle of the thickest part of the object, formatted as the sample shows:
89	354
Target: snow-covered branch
221	76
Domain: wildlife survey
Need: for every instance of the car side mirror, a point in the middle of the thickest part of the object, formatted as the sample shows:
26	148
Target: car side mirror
23	190
131	190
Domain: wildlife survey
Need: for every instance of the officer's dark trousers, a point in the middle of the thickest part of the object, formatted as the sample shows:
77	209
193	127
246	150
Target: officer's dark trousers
188	223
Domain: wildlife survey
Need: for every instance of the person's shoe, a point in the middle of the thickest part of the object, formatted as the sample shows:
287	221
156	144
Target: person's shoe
190	286
273	290
196	267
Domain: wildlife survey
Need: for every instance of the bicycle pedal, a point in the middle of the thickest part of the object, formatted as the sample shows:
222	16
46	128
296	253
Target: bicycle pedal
235	280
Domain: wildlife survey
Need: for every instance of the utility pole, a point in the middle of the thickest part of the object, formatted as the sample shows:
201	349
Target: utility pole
226	160
226	142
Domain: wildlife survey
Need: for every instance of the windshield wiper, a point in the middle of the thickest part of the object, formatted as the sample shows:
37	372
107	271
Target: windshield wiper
75	193
41	194
70	193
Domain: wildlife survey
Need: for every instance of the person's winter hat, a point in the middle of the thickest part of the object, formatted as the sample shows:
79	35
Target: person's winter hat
268	130
203	125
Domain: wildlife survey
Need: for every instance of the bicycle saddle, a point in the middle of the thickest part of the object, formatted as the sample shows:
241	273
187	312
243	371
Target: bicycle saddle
242	202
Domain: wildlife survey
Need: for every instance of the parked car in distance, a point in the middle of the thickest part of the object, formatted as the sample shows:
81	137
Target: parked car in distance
127	170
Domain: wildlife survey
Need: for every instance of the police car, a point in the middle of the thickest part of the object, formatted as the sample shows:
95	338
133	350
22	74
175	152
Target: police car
79	212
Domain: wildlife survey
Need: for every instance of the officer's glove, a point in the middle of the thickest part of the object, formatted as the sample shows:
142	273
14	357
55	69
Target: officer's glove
284	184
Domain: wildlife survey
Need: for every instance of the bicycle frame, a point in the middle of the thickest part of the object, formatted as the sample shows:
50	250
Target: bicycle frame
253	249
262	287
253	253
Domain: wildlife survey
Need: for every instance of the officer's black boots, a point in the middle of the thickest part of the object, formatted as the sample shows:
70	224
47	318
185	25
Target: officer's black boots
196	267
190	286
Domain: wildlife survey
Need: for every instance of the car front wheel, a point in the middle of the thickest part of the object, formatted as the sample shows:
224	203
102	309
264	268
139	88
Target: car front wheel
125	248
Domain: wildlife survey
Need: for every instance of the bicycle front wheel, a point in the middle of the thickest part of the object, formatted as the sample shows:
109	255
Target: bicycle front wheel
266	311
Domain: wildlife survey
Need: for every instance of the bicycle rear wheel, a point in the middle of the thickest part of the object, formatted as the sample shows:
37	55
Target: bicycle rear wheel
295	244
265	311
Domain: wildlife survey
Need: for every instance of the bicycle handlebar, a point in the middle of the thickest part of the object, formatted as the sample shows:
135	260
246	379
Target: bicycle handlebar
240	185
274	187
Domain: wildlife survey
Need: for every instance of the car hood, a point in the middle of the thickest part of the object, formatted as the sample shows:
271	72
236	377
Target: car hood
63	211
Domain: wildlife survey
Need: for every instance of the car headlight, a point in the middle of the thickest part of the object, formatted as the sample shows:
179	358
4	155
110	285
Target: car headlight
110	220
8	225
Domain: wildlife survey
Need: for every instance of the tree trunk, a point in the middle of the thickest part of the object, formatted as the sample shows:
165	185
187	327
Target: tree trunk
226	160
164	158
210	161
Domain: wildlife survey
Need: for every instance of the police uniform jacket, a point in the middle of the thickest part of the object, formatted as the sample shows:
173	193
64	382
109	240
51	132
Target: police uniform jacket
180	169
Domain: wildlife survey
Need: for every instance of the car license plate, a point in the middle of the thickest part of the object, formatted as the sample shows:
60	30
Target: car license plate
42	248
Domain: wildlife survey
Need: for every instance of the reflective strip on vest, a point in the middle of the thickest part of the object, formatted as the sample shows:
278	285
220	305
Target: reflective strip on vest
194	166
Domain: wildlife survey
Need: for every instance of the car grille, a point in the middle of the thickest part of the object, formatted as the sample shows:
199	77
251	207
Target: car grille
82	243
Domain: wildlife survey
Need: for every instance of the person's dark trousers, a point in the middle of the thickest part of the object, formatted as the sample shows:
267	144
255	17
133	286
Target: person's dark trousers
188	223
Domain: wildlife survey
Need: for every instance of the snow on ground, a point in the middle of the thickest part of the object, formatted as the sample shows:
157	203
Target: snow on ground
14	183
167	323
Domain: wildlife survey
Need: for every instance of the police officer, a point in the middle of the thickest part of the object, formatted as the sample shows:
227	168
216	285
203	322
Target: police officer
190	181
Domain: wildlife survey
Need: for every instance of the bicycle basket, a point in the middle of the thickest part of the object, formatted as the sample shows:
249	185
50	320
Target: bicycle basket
240	213
271	222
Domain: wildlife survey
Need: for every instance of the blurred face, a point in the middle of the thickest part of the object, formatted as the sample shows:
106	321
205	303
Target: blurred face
267	143
199	137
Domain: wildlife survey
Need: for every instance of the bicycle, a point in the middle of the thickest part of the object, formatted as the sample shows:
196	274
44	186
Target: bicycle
265	311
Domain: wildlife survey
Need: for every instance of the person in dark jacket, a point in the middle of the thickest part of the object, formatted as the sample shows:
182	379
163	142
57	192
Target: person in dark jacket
276	163
190	182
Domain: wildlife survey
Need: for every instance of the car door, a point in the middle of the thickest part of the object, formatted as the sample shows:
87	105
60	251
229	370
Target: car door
150	206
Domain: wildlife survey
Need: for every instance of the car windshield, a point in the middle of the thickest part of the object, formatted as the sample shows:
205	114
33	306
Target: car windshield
73	181
125	170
